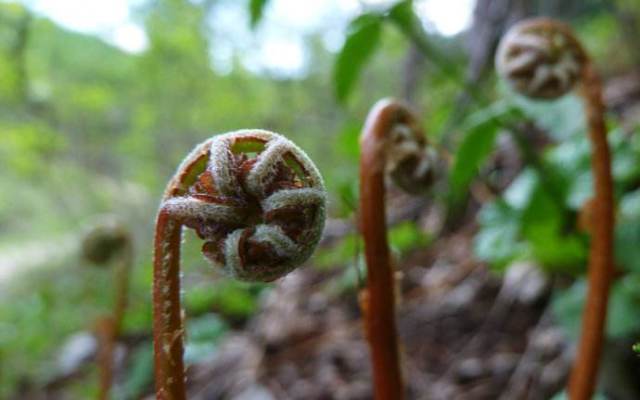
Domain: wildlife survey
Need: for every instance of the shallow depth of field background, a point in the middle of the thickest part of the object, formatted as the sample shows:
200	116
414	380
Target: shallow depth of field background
99	102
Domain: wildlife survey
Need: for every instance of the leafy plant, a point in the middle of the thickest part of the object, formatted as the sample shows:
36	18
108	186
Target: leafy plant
481	130
363	39
256	9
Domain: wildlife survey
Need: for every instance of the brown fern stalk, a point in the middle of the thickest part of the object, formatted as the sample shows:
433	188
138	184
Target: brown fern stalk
585	372
106	241
257	201
392	142
542	59
168	344
106	334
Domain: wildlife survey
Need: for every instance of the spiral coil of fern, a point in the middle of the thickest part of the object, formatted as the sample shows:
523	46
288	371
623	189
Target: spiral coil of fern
542	59
392	144
257	201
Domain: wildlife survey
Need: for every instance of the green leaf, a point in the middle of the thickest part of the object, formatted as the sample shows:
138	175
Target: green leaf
567	306
627	251
630	205
404	18
482	129
231	298
256	9
497	241
564	396
556	252
402	14
207	328
339	255
627	233
518	194
543	223
363	37
561	118
624	307
204	334
348	141
139	374
407	236
622	311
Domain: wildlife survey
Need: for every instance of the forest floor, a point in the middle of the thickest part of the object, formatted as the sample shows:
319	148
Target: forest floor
465	334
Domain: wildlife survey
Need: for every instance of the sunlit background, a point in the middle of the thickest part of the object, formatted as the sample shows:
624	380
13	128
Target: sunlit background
277	46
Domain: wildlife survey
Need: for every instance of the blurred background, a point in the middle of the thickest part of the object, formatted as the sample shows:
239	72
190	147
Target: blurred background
100	101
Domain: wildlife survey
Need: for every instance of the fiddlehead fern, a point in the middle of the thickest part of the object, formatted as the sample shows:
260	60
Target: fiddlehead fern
391	142
257	201
542	59
106	241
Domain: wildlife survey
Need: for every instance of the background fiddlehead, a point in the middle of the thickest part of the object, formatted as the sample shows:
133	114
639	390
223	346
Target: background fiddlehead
391	142
109	240
542	59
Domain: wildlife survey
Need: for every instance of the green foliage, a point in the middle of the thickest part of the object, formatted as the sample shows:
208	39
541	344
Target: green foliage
602	30
403	237
348	254
624	302
26	147
543	224
481	130
362	40
561	119
402	15
140	374
564	396
44	307
341	254
256	9
627	234
204	333
345	182
349	281
404	18
536	216
571	159
231	298
406	236
498	241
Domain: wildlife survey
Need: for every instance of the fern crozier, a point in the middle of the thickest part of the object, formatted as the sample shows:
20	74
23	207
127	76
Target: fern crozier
255	198
540	58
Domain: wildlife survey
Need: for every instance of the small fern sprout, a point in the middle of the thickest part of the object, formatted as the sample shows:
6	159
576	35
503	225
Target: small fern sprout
393	144
542	59
107	241
410	164
259	204
104	241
